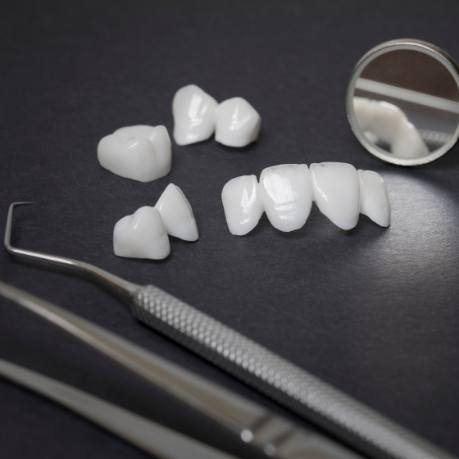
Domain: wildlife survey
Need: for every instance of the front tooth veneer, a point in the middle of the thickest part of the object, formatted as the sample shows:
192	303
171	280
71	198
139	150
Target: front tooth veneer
237	123
374	202
286	193
139	152
242	204
337	192
194	115
141	235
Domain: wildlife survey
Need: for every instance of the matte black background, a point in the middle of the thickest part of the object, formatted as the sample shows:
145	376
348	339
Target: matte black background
374	312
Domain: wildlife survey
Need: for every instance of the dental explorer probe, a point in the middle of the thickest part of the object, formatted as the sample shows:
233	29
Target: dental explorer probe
356	424
271	434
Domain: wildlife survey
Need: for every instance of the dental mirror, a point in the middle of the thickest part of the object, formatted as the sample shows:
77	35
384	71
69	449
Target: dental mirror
403	102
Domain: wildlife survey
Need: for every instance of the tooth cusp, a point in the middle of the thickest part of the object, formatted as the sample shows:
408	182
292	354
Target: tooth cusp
140	152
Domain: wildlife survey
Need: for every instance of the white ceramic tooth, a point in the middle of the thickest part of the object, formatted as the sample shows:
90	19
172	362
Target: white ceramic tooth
242	204
141	235
177	214
337	192
139	152
286	194
194	115
374	202
237	123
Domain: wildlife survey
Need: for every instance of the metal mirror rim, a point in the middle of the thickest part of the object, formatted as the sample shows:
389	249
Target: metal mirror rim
392	45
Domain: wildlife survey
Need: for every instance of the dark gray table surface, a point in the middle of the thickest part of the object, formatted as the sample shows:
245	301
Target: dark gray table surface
373	311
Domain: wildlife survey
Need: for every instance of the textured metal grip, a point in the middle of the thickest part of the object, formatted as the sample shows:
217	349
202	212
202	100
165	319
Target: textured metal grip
276	377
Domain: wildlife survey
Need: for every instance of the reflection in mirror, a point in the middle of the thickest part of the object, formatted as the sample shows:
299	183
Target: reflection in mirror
405	102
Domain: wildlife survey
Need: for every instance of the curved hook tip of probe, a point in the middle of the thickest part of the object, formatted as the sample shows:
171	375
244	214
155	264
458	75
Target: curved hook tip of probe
9	224
114	283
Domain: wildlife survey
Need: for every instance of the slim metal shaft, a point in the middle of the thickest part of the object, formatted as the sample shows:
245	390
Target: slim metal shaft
120	287
153	438
340	415
250	422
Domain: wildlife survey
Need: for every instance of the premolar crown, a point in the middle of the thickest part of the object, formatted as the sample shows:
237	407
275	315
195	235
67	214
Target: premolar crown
177	214
286	193
145	233
237	123
197	115
194	115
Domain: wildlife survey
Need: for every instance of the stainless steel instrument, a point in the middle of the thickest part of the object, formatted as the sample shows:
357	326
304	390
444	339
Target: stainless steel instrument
253	424
143	433
368	431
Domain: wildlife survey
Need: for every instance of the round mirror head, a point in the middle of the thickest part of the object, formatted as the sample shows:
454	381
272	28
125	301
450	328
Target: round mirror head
403	102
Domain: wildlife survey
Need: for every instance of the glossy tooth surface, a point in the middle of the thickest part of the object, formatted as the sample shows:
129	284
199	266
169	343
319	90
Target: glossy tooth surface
242	204
286	193
177	214
141	235
374	202
194	115
139	152
337	192
237	123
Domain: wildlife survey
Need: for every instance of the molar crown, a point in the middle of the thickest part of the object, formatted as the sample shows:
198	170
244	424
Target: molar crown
286	193
138	152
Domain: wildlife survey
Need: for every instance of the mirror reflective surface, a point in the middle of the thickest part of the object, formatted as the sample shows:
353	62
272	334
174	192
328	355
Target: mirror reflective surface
403	102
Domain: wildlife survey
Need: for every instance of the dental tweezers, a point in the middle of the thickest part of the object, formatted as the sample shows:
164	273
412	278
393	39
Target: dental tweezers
273	435
157	440
366	430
